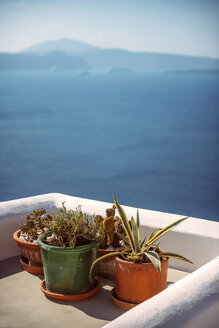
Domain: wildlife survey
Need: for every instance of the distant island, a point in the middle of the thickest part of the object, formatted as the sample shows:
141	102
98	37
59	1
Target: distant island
72	55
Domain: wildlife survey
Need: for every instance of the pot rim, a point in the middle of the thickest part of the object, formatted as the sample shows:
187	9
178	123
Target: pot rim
46	246
16	235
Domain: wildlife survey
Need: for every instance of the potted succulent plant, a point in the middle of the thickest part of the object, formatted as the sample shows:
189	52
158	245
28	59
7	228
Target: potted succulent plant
68	250
141	268
112	233
37	222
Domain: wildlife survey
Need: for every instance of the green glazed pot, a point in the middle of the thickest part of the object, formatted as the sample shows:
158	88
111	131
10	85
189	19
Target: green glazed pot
66	269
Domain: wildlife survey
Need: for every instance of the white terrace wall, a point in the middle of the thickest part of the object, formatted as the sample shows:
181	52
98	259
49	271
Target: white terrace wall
196	239
192	302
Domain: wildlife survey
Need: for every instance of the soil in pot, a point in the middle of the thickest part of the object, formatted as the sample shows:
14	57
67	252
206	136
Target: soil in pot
135	283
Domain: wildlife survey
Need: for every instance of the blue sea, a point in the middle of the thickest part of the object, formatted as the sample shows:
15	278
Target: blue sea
151	138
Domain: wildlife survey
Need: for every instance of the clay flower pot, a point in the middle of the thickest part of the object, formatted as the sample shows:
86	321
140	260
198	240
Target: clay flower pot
67	297
31	255
135	283
66	269
106	267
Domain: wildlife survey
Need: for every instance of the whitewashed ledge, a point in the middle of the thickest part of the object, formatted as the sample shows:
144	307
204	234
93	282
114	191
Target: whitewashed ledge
191	302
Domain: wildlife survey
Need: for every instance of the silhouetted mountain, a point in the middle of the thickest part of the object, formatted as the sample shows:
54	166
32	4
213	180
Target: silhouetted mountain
115	58
64	45
67	54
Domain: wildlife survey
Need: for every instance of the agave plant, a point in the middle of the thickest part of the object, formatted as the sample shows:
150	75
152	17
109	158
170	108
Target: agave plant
142	251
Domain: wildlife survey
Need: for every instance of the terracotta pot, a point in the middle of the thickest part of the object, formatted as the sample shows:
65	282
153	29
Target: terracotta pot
31	268
123	305
106	267
30	251
67	269
135	283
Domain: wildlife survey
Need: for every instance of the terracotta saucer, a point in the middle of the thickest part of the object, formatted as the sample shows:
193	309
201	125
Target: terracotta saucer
122	304
62	297
35	269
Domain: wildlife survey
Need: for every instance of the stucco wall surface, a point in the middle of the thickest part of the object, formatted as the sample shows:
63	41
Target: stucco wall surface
192	302
195	239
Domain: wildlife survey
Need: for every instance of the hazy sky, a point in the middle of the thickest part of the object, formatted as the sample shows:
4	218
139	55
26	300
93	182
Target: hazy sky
171	26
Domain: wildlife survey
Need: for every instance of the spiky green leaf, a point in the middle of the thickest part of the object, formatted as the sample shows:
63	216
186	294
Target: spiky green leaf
133	258
99	259
135	233
137	220
124	256
127	250
153	233
174	255
125	224
162	232
142	242
126	241
155	259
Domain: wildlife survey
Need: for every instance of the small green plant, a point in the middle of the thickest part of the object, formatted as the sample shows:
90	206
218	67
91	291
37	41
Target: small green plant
37	222
72	228
110	229
142	251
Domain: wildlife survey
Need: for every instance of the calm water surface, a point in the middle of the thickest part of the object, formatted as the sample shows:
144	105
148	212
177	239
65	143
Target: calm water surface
151	138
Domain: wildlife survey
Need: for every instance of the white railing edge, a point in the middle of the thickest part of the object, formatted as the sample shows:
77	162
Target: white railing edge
191	302
196	239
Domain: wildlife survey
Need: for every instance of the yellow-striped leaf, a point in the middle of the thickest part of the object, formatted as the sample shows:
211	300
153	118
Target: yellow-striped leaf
125	224
155	259
99	259
126	241
162	232
174	255
153	233
135	233
137	220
